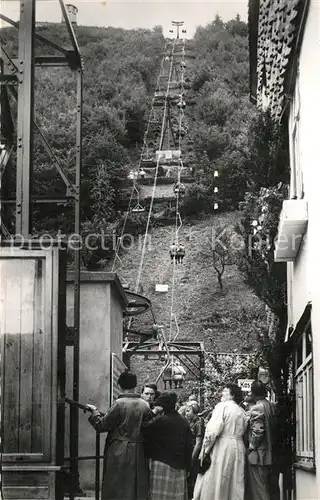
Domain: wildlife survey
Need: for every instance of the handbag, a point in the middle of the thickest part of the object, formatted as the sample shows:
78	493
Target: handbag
205	464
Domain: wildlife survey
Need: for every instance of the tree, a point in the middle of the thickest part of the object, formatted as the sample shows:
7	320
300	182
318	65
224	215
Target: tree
223	248
267	169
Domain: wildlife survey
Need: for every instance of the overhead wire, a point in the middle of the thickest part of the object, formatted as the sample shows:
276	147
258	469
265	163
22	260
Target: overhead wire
134	188
119	241
173	317
143	251
156	175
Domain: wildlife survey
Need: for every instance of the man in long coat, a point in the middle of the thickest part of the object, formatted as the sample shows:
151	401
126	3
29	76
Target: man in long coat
260	434
125	471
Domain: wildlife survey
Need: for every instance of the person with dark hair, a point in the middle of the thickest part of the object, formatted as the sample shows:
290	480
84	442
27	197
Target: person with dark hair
127	380
260	438
169	446
150	393
248	403
222	457
125	471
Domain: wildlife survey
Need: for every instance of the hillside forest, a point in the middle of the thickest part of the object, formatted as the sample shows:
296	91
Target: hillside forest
228	134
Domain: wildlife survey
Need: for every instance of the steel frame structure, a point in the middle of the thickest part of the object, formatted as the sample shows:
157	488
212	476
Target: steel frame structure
182	350
164	108
178	24
17	77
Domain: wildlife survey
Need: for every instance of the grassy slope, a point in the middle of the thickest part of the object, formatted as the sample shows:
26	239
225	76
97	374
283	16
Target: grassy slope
226	321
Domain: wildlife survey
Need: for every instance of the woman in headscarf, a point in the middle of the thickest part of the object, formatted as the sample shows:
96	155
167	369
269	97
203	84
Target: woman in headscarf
169	447
224	479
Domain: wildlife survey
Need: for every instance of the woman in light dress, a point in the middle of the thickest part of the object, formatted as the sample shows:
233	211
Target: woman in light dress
223	441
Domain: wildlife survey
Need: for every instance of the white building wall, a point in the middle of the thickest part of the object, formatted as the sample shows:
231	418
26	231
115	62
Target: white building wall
305	272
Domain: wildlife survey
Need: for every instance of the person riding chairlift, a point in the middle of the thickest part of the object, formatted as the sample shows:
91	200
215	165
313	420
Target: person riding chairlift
173	251
181	251
179	188
179	374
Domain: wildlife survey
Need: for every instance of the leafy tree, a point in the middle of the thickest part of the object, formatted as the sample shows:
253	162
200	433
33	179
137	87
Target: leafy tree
267	165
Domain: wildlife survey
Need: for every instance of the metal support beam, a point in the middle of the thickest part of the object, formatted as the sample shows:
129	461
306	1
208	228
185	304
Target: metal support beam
145	352
13	66
63	200
181	350
25	116
48	61
185	364
193	364
4	159
69	27
74	415
8	80
23	68
38	37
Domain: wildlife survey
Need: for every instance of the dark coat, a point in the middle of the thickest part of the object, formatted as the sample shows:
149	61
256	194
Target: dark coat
260	432
125	471
169	440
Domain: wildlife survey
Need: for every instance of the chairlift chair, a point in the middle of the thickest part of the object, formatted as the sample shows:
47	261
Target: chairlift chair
179	188
178	375
180	254
173	373
181	104
138	209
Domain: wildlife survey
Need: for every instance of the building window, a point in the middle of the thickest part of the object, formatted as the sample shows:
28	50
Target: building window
295	150
303	375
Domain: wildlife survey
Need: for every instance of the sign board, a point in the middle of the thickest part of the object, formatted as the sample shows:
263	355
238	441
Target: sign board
161	288
245	384
117	367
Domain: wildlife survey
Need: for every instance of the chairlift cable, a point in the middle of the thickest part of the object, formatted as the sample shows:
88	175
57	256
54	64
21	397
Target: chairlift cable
155	180
119	241
177	228
152	113
154	183
133	189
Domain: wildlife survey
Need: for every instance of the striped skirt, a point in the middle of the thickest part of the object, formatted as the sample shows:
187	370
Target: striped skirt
167	483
